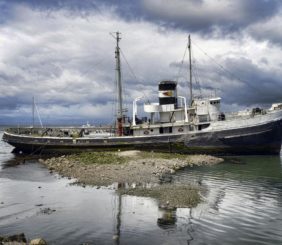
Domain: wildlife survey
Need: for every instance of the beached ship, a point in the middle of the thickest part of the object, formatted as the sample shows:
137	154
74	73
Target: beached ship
172	125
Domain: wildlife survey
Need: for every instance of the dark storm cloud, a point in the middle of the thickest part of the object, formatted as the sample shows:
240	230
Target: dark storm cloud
206	16
9	103
56	4
242	82
203	16
270	30
60	51
260	86
126	8
191	15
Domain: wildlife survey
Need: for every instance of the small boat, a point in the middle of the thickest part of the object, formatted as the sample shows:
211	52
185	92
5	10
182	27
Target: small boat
173	124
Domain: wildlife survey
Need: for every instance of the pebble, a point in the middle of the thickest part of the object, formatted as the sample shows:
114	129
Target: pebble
38	241
172	171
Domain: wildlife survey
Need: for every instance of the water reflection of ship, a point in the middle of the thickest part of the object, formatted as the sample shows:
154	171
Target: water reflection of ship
167	218
116	236
168	221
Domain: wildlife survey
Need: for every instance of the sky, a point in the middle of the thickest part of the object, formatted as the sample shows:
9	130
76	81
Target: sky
61	53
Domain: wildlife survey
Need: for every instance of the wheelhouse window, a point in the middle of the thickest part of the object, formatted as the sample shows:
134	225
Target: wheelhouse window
165	130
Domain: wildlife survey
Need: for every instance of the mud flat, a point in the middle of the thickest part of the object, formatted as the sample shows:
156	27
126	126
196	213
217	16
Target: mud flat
134	167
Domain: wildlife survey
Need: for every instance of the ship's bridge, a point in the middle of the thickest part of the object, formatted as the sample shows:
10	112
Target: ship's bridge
207	109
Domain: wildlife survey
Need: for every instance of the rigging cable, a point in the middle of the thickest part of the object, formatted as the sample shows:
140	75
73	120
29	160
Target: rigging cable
133	74
227	71
38	115
181	63
197	78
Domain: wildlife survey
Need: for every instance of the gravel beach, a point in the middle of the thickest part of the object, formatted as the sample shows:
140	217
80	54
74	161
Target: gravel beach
106	168
137	173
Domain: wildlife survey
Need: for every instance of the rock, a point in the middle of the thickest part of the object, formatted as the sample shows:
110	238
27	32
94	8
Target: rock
38	241
165	178
19	238
172	171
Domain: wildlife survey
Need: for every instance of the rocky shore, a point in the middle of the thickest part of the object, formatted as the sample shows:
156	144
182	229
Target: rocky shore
138	173
20	239
106	168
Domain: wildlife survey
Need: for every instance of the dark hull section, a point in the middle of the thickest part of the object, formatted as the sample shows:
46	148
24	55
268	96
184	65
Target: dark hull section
263	139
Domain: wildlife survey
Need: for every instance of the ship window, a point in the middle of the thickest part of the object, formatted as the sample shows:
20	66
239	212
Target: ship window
203	118
166	130
214	102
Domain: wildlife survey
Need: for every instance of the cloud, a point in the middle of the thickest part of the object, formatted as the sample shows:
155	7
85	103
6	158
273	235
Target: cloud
270	30
207	15
66	60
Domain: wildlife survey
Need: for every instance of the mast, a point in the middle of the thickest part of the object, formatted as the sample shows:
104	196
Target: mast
33	105
119	85
190	70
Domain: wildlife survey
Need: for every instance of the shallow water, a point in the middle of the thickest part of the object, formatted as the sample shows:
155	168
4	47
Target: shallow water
243	205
